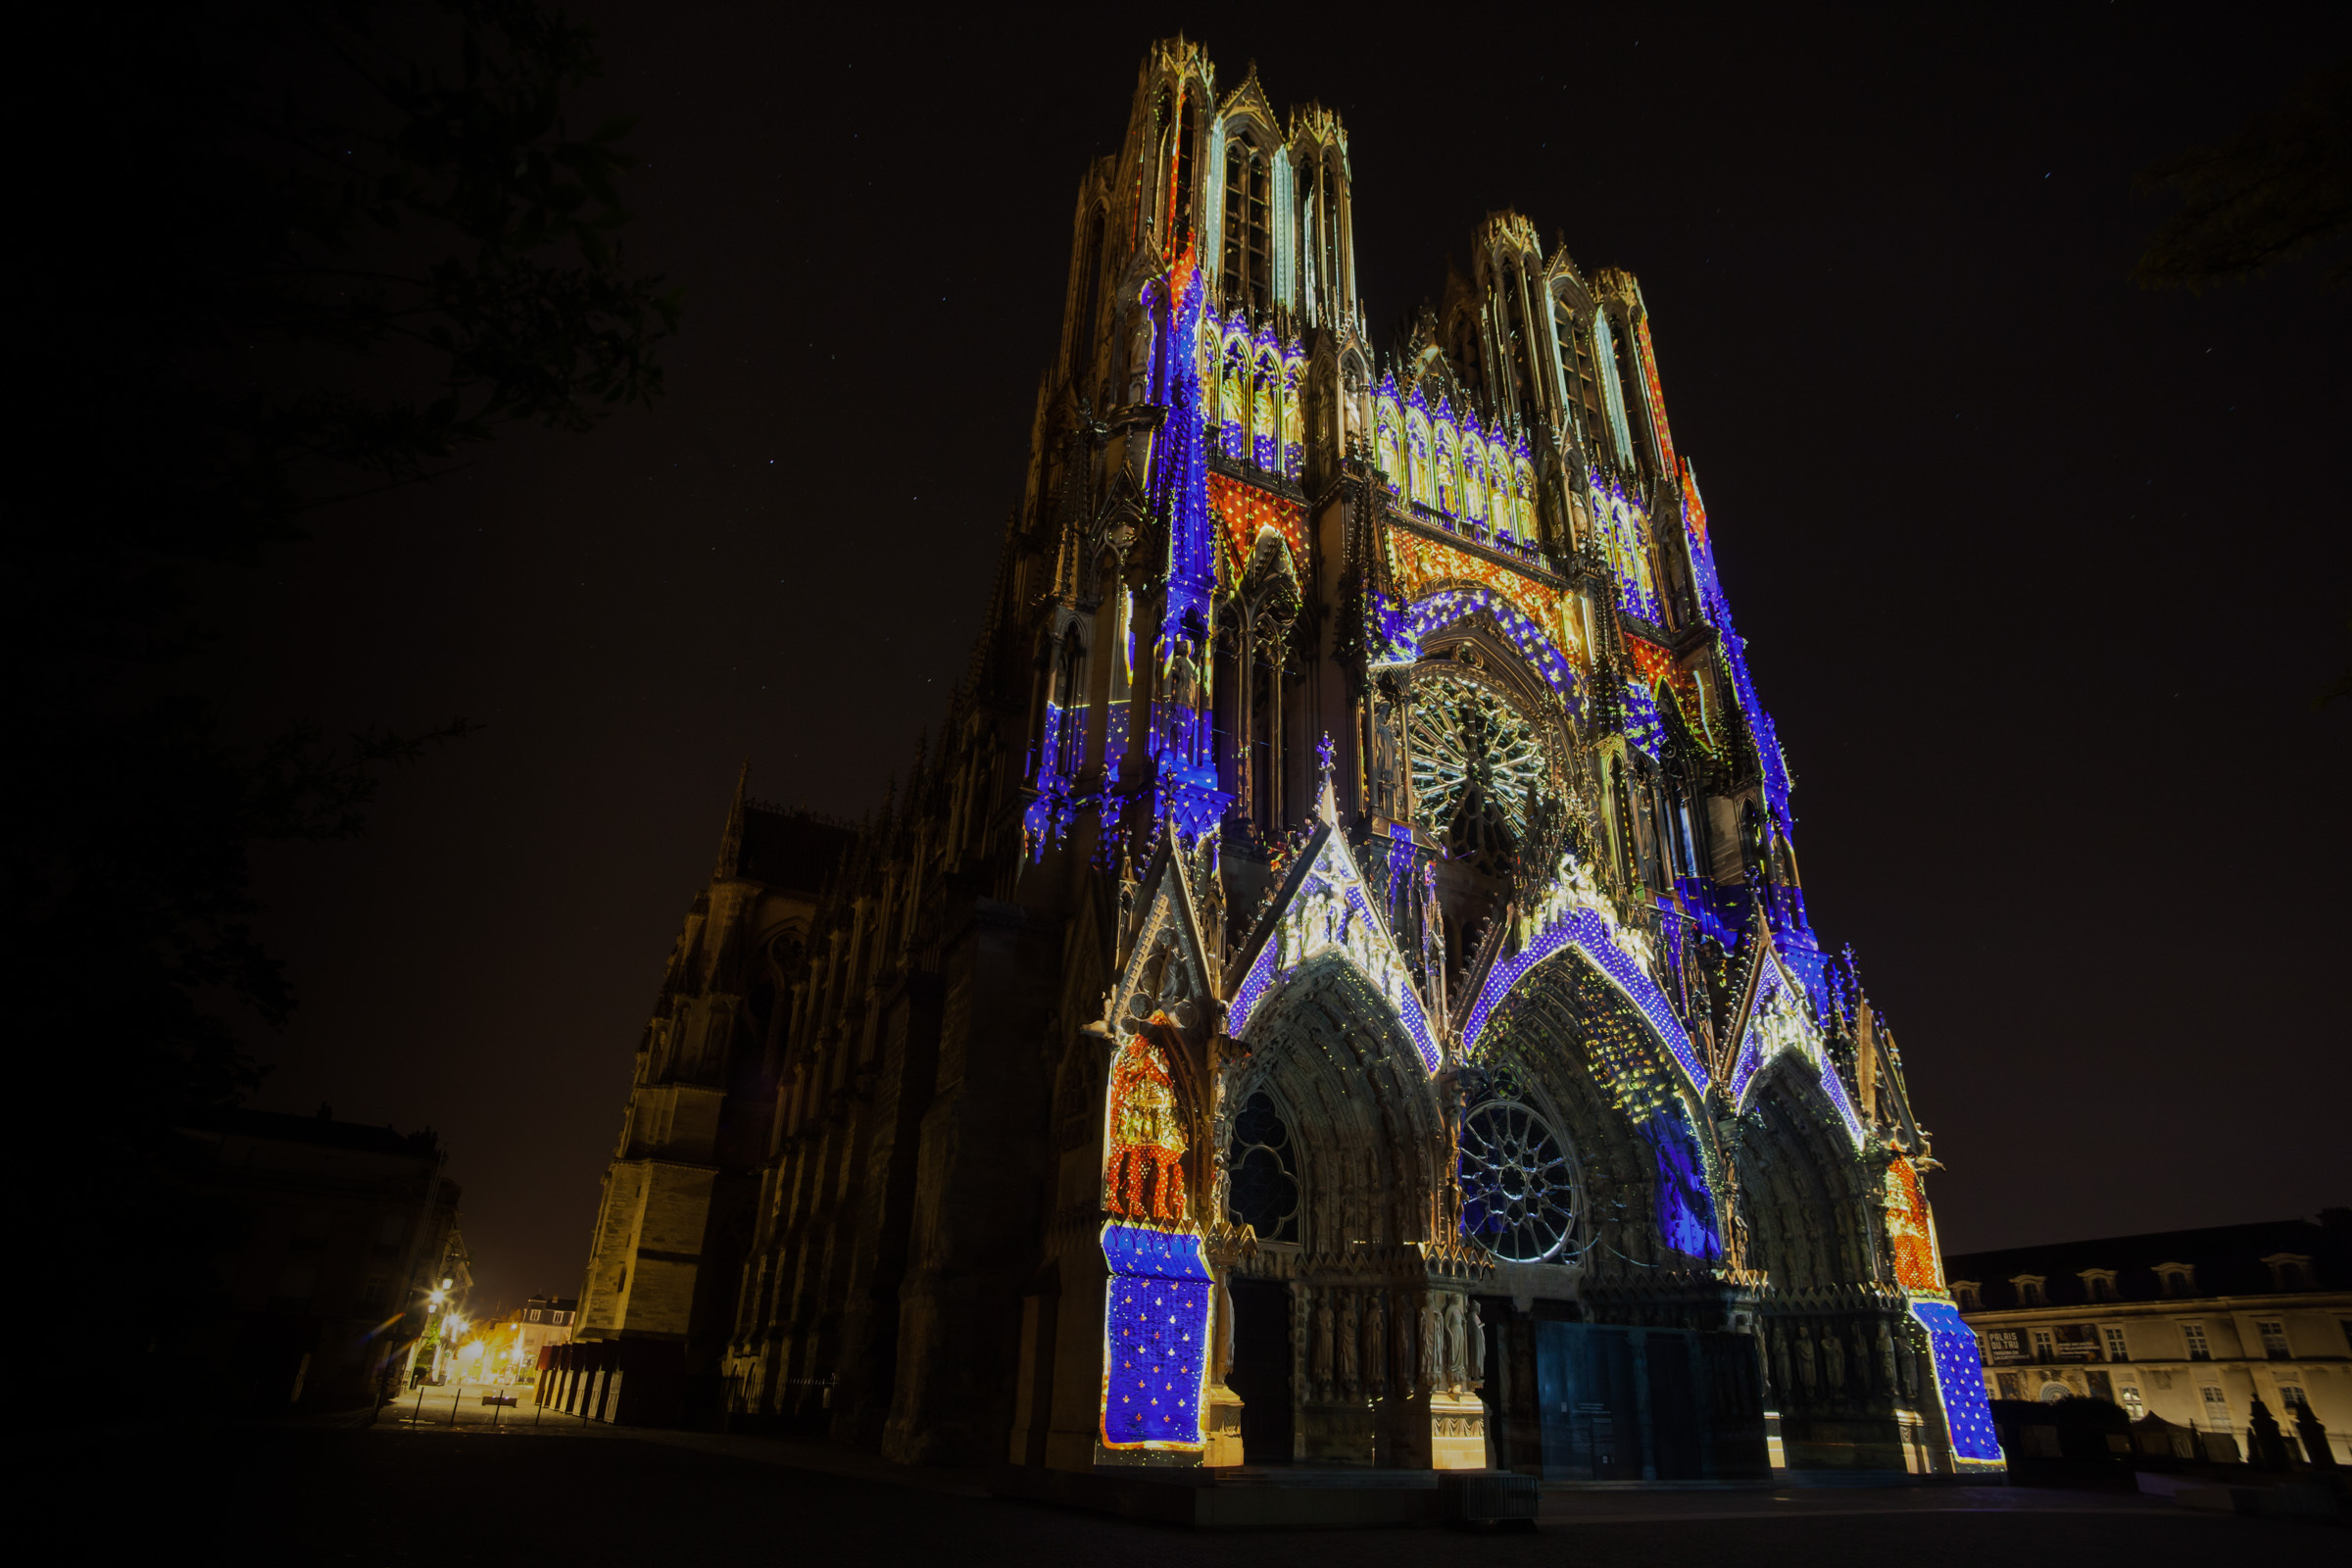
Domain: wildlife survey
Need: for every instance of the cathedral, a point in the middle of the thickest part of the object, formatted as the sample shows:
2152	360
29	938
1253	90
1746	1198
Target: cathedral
1336	991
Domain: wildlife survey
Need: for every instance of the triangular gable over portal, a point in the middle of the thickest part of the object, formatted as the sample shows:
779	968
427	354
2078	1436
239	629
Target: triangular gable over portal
1169	920
1325	906
1771	1022
1578	915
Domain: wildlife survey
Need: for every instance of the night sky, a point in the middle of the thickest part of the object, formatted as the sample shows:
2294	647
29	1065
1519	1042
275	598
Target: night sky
2040	573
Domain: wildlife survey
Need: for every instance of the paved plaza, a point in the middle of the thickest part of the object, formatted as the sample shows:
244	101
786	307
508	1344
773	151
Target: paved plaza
400	1494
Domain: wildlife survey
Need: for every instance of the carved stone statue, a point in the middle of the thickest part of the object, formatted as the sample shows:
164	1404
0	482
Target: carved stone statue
1322	1344
1805	1372
1478	1347
1433	1366
1349	1385
1220	1351
1387	760
1832	1360
1376	1343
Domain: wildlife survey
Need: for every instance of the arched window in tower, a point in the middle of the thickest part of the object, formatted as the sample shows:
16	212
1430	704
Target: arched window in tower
1388	437
1448	463
1233	397
1612	390
1088	333
1248	226
1293	412
1419	474
1261	1166
1187	171
1634	391
1516	347
1576	366
1330	204
1265	414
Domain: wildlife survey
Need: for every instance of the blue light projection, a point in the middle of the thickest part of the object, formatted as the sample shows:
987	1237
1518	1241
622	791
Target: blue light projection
1585	930
1155	1338
1252	989
1182	739
1644	730
1331	911
1686	1208
1401	632
1052	805
1718	611
1959	1382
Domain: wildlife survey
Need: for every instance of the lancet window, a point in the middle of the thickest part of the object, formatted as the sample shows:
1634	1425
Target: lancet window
1418	456
1474	477
1388	438
1089	324
1294	414
1575	364
1516	347
1249	228
1266	418
1233	401
1449	465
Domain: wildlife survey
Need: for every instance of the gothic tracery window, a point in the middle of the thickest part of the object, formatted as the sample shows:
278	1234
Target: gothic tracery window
1518	1185
1261	1169
1476	762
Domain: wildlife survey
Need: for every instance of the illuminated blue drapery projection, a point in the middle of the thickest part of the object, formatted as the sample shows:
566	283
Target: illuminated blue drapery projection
1155	1338
1686	1208
1960	1380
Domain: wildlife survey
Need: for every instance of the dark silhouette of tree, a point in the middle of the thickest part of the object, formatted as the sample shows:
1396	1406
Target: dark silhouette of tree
2269	194
269	254
2273	192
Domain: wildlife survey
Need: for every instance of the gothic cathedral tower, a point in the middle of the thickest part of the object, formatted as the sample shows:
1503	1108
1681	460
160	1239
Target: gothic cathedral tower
1341	990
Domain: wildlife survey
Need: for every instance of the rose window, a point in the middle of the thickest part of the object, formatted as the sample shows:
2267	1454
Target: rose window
1518	1188
1474	760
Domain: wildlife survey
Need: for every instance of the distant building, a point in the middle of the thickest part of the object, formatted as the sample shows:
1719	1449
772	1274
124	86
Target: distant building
345	1229
2192	1326
542	1321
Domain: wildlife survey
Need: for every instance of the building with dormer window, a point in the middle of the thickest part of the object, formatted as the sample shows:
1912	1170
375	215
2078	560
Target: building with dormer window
2190	1326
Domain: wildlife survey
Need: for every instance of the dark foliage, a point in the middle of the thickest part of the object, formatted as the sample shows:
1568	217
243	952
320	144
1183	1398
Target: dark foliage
2269	194
276	253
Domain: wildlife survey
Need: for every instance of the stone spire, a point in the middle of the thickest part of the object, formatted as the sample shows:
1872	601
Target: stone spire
730	841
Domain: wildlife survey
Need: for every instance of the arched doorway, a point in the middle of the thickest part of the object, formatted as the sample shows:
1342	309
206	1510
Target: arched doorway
1334	1147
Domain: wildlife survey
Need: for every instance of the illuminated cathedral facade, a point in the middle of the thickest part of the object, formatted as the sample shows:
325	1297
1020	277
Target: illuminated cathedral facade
1338	991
